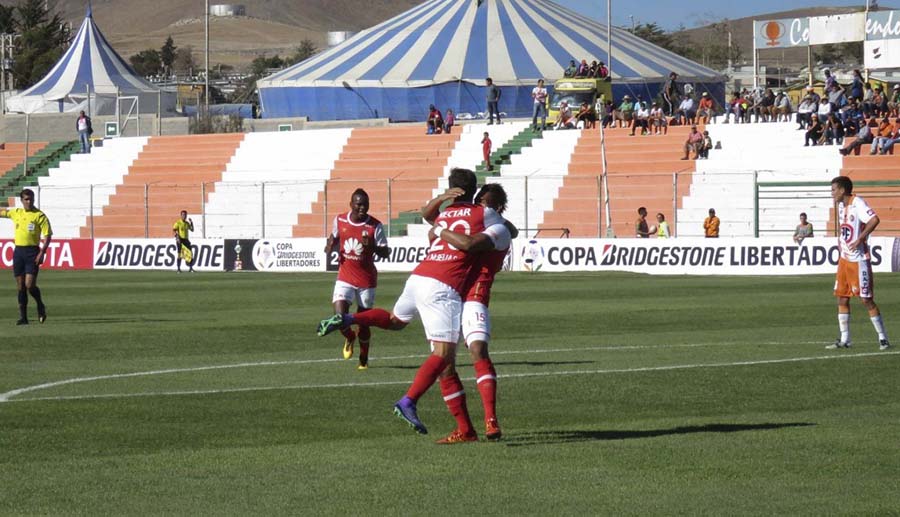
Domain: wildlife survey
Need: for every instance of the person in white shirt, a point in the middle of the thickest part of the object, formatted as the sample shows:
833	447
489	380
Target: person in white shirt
854	274
565	119
658	122
641	119
804	112
539	94
685	111
824	109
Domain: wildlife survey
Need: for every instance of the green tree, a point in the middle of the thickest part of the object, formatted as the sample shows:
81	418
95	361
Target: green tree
7	19
43	39
184	60
147	62
306	50
167	54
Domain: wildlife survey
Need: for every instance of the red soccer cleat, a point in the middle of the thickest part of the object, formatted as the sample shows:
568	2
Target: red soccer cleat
458	437
492	430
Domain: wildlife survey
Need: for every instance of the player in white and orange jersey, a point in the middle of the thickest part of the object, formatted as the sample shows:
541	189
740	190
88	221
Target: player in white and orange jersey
358	237
854	274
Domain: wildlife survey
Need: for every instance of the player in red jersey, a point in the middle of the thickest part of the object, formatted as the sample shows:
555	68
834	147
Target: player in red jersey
358	237
433	291
476	319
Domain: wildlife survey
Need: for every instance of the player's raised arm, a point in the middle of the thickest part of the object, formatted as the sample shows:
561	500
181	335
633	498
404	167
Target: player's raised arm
431	209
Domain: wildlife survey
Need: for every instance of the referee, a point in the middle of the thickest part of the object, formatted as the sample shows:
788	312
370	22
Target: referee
30	225
182	231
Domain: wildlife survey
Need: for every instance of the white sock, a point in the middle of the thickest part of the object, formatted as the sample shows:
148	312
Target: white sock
879	326
844	325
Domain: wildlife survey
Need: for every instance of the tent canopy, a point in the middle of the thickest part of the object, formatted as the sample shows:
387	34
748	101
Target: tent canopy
442	45
89	65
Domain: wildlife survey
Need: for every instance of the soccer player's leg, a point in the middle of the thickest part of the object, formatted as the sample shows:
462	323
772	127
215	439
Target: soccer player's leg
843	291
343	296
370	318
365	299
867	296
455	398
477	333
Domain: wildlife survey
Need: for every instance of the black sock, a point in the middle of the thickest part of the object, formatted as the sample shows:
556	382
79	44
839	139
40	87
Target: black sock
23	305
36	294
178	263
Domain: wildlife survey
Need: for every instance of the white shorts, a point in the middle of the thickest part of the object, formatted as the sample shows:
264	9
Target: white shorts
436	302
476	322
364	297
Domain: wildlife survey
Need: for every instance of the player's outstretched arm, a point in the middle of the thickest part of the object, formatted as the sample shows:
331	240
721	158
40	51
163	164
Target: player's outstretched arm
431	209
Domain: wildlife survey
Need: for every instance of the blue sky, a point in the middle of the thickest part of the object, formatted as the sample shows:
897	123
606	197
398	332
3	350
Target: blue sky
669	14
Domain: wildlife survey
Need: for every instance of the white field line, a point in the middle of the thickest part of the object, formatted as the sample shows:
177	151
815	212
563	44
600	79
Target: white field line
507	376
5	397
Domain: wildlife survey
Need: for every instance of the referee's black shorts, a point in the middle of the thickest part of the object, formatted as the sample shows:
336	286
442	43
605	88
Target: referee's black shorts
23	260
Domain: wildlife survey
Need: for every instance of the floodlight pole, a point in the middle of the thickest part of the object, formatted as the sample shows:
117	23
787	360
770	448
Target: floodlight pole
206	12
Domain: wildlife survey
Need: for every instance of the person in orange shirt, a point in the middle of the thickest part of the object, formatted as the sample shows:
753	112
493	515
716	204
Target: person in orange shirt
711	225
705	109
885	134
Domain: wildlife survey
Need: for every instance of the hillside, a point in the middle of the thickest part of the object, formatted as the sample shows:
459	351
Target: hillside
271	26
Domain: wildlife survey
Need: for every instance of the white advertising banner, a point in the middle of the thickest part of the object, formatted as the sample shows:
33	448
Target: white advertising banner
696	256
882	46
156	254
839	28
785	32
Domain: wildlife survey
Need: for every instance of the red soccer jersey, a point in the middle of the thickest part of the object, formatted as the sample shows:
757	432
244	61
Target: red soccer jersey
357	265
489	264
446	263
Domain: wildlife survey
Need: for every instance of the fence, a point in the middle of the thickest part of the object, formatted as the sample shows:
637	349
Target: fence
546	205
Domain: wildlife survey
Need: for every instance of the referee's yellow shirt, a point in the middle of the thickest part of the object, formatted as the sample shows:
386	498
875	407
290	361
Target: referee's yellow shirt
30	225
183	228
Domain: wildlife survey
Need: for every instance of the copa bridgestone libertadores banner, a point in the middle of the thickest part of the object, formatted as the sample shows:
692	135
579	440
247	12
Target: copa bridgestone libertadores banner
156	254
696	256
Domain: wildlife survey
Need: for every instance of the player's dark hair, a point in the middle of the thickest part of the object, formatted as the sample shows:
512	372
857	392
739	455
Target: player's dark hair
26	191
359	192
845	183
498	195
661	216
466	180
802	214
642	209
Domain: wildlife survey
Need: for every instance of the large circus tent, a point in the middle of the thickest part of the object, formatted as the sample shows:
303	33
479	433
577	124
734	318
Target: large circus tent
441	52
90	73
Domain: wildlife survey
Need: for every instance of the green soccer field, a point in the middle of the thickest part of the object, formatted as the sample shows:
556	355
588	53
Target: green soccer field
156	393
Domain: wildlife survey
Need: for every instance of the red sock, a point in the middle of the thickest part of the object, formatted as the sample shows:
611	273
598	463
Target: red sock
364	336
455	398
348	334
486	379
425	377
373	318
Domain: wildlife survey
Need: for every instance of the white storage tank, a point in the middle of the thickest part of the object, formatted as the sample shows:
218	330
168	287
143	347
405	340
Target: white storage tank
228	10
335	38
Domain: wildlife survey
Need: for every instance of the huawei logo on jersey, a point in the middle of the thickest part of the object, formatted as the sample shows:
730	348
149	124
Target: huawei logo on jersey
352	246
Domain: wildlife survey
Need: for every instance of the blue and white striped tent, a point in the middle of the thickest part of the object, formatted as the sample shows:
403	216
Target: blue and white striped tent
90	64
441	51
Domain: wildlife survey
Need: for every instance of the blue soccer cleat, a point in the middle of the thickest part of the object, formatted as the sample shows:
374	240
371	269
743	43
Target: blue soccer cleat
329	325
405	408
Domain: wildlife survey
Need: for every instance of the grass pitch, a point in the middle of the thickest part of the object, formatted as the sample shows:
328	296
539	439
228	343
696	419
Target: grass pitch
149	393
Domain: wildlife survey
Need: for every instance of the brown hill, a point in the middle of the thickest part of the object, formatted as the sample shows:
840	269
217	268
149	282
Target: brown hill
270	27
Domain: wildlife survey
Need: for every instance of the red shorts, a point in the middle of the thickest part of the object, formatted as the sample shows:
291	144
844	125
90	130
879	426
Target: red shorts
854	279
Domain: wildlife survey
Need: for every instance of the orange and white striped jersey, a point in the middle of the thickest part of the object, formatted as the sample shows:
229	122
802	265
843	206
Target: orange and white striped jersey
852	219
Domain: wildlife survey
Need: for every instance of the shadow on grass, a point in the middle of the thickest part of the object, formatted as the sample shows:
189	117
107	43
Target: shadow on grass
557	437
120	319
507	363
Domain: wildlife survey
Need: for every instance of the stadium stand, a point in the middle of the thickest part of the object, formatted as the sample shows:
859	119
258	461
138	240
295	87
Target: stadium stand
293	165
165	178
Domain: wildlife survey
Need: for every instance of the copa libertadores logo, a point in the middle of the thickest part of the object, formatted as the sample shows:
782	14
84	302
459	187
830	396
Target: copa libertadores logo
533	255
264	255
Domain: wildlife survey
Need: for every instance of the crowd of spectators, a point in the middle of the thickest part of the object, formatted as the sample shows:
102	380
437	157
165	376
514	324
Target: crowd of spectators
596	70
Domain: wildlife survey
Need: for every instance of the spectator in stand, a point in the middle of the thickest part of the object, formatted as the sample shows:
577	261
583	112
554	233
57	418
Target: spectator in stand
434	118
884	137
856	87
641	120
486	150
606	113
571	70
894	103
813	95
586	116
662	227
836	97
804	229
865	136
592	72
449	121
602	71
539	95
670	93
686	113
868	106
641	229
492	96
711	225
85	129
782	109
693	143
830	81
834	131
565	119
764	106
805	112
705	109
733	107
888	147
881	103
658	121
814	133
824	109
626	111
852	114
705	146
584	70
